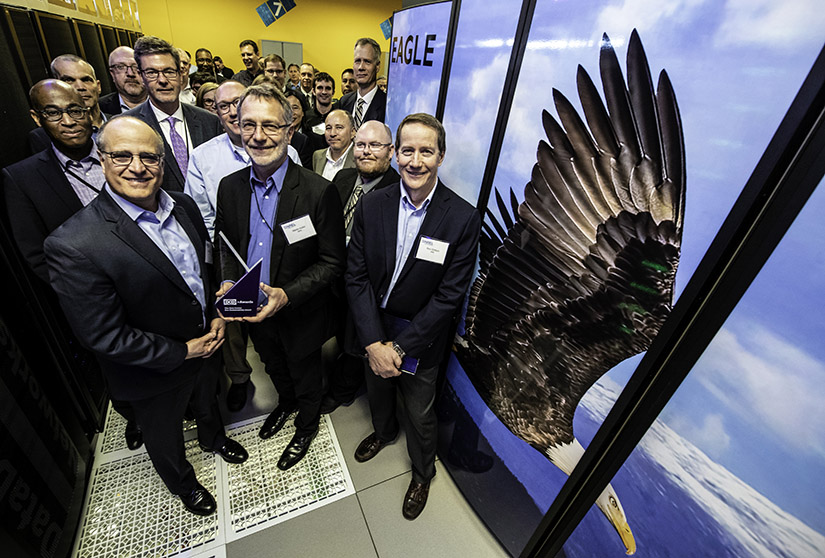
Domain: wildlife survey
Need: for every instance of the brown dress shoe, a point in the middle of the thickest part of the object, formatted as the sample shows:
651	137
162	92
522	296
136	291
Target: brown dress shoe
369	448
415	499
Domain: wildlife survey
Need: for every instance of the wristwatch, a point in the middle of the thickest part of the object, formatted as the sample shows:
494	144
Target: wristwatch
397	348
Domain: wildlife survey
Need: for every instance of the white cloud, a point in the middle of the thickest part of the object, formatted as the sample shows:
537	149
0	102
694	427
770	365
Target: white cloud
769	382
785	24
711	437
644	15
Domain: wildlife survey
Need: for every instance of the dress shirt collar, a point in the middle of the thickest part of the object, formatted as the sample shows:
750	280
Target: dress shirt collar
161	116
368	97
276	179
165	206
368	185
405	199
341	158
237	151
64	160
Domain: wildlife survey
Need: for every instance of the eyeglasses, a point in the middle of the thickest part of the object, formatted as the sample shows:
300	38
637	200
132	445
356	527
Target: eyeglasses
124	158
224	106
152	74
121	68
209	103
373	145
270	129
52	114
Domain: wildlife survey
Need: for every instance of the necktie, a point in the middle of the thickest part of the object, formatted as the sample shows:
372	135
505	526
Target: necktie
359	113
178	146
349	210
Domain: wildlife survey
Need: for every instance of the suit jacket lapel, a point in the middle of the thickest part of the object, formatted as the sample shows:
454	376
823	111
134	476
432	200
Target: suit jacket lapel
129	232
194	125
432	220
286	211
55	179
389	218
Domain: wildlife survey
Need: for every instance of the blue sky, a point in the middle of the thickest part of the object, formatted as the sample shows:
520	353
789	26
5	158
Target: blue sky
752	403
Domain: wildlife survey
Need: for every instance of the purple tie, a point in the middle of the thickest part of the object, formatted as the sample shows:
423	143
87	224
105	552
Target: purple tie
178	146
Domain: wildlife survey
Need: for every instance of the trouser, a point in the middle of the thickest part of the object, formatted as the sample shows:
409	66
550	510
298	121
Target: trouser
160	418
420	422
299	381
234	353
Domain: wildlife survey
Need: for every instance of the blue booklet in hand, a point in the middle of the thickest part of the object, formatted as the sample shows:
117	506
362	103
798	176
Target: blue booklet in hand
393	326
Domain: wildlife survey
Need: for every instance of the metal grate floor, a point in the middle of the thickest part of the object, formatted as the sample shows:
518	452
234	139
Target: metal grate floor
129	512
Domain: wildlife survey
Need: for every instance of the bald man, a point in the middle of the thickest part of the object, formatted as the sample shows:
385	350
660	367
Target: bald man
133	276
129	90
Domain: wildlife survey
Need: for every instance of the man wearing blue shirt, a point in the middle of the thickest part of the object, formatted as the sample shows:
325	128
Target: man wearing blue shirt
410	258
291	219
133	275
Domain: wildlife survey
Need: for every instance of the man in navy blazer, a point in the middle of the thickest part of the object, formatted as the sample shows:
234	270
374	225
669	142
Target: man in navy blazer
133	275
410	258
371	100
183	127
292	219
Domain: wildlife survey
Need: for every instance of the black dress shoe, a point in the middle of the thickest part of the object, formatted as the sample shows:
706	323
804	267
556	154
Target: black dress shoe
133	435
231	451
330	403
296	450
274	422
236	396
415	499
199	501
369	447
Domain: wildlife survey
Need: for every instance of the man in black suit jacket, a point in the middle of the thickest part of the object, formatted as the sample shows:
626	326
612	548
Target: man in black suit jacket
373	151
183	127
133	276
294	223
129	90
367	102
410	258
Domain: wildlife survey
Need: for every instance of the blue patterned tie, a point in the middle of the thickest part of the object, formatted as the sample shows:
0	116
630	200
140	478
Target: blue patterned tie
178	146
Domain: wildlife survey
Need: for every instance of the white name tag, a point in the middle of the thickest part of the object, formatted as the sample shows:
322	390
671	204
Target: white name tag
432	250
298	229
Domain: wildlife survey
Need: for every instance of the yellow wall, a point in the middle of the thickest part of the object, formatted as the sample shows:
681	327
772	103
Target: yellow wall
328	29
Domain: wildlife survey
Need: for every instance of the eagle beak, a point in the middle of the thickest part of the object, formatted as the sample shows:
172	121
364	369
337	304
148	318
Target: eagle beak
626	535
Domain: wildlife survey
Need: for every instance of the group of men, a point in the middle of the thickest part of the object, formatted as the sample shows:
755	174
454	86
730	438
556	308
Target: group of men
378	258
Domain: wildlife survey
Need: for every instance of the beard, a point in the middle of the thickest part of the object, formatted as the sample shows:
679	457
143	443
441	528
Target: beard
373	169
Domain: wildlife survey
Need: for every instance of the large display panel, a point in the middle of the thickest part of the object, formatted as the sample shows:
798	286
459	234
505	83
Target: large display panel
734	69
733	465
481	55
417	50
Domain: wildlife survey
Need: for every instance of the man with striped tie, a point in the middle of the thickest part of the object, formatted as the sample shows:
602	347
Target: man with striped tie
373	151
367	102
183	127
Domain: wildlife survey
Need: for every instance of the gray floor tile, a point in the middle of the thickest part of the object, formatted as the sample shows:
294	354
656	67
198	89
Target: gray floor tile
447	527
335	530
353	424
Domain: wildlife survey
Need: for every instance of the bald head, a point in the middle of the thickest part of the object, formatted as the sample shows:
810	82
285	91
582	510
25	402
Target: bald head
59	110
373	149
129	125
124	72
79	74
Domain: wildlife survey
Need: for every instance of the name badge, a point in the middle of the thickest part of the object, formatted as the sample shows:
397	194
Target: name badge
298	229
432	250
207	254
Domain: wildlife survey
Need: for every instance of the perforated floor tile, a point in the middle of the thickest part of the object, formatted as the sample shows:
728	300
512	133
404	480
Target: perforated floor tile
261	495
112	439
129	511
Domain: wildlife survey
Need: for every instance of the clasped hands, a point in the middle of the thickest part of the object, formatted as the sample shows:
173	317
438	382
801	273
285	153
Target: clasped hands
276	299
205	346
384	361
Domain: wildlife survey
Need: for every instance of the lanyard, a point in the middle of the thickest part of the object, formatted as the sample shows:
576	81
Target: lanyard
85	183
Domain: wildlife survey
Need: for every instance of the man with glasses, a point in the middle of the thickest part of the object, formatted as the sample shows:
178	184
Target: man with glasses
373	152
182	126
43	191
291	219
132	274
275	67
129	90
